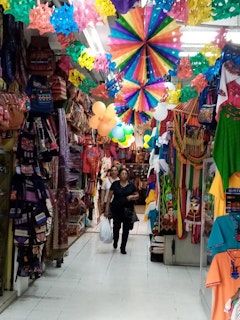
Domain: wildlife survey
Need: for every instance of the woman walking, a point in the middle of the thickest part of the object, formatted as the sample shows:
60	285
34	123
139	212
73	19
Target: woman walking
125	193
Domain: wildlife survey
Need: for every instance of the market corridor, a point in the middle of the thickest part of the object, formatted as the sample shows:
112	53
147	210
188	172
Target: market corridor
96	282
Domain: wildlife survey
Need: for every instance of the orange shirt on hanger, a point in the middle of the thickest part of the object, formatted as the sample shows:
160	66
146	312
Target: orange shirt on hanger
220	280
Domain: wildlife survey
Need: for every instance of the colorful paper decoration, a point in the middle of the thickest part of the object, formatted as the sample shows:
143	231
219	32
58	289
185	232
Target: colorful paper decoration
40	19
100	91
65	64
165	5
20	9
129	116
62	19
173	96
184	68
198	12
199	82
220	39
198	63
85	15
5	4
225	9
75	77
101	63
143	97
86	85
145	43
124	6
211	52
65	40
179	10
105	8
188	93
86	60
74	50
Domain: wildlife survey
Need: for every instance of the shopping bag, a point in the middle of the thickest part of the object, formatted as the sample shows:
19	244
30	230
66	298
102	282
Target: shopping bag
105	231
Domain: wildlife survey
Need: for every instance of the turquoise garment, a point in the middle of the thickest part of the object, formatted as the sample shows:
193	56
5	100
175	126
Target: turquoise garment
152	216
223	234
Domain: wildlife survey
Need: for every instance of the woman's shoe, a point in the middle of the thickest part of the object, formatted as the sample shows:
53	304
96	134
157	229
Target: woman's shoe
114	245
123	251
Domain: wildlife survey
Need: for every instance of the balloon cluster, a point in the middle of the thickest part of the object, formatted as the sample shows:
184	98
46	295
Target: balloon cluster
104	118
123	135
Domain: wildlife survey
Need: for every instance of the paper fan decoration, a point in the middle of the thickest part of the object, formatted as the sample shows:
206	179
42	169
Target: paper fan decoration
143	97
130	116
145	43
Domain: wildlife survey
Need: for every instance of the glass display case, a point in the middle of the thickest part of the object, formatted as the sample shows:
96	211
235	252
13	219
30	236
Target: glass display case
209	170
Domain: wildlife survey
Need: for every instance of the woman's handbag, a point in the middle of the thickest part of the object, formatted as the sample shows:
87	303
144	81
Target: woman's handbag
131	215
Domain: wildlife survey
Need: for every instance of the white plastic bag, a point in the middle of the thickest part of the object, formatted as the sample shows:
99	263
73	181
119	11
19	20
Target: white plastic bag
105	234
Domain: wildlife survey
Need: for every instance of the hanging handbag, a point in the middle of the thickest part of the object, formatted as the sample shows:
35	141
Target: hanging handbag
207	114
40	57
59	88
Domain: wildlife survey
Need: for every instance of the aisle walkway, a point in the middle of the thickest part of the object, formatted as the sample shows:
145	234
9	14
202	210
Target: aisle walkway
98	283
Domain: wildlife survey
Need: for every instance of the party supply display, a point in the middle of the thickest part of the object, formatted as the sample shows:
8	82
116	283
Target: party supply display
145	43
40	18
62	19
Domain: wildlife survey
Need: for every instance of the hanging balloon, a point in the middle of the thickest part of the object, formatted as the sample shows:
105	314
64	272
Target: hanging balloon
103	129
146	138
145	146
128	130
99	108
118	132
94	122
160	113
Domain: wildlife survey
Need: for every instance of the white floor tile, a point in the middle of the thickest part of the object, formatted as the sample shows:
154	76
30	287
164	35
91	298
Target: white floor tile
97	282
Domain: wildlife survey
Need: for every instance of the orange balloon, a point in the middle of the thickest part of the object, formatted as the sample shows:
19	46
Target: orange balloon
112	123
110	112
94	122
99	108
104	129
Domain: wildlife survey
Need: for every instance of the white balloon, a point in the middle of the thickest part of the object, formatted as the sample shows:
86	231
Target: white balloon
160	113
169	85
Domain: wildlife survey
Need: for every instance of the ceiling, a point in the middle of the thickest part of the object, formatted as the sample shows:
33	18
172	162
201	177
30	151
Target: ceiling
193	39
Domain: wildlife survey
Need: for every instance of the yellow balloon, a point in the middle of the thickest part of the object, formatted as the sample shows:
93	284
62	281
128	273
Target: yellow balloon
147	138
145	145
125	143
114	140
128	136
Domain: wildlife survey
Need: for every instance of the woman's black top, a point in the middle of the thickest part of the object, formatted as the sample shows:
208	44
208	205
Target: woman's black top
120	195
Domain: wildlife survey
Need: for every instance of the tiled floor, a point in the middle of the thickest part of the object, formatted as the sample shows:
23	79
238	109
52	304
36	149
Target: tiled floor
97	282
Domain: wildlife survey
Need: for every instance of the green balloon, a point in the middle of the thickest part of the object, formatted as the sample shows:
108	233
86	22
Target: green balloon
123	139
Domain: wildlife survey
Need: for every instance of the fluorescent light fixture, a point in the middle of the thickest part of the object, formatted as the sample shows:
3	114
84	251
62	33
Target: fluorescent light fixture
187	54
93	40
